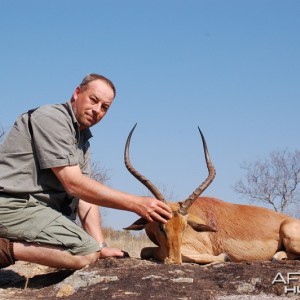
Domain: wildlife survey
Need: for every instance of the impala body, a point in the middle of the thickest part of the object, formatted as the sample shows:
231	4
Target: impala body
205	230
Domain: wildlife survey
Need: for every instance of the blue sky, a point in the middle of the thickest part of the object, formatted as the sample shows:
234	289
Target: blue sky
230	67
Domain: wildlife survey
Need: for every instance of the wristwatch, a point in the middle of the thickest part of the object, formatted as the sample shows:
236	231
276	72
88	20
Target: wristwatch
102	245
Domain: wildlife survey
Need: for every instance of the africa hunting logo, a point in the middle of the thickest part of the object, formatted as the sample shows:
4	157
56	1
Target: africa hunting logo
290	282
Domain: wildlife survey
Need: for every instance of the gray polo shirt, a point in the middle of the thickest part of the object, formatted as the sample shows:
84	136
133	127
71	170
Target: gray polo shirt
25	166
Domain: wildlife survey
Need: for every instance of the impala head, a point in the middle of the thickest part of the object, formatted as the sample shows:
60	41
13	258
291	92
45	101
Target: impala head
169	236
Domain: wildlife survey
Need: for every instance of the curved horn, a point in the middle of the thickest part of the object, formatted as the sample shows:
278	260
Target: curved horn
211	175
147	183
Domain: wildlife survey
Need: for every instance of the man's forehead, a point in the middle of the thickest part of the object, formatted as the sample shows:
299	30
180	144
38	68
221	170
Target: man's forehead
98	83
100	89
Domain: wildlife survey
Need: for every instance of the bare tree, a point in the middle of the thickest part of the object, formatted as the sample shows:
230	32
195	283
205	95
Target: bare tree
273	181
99	173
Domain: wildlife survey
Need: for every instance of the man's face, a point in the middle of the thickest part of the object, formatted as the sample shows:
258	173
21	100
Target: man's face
91	102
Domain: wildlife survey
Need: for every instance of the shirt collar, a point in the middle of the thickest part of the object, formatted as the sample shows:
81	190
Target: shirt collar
84	133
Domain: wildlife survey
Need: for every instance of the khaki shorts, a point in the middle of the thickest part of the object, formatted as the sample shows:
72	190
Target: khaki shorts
33	222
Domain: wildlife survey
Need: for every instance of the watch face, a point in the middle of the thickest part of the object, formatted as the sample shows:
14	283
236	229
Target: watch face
102	245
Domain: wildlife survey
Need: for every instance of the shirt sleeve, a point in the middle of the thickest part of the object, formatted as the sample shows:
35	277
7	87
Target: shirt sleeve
86	165
54	137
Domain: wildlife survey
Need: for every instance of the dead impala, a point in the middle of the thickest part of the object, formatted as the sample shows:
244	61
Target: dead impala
205	230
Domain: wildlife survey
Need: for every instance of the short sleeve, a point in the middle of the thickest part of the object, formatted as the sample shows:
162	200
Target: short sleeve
54	137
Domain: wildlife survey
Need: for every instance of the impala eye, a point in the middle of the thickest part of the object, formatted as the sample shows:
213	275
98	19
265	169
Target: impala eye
162	229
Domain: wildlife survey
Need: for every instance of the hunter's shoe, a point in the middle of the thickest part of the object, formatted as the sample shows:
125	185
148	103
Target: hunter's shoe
6	253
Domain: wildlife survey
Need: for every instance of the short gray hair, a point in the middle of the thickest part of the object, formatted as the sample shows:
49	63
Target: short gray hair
93	76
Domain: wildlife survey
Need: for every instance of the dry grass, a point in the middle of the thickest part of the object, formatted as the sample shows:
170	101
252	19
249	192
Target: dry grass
127	241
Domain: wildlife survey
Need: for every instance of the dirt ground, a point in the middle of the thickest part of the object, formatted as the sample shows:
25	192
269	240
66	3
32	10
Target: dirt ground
132	278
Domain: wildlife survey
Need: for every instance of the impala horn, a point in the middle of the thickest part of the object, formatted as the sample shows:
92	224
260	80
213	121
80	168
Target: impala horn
146	182
211	175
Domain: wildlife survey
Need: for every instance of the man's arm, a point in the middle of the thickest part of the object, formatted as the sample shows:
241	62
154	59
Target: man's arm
94	192
89	216
91	221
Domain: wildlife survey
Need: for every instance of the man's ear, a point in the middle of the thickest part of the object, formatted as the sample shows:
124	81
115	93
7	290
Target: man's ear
199	225
76	93
138	225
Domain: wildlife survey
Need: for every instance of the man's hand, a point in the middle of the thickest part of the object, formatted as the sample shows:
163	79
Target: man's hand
112	252
154	210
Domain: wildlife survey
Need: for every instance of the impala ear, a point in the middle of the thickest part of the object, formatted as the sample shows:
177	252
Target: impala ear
199	225
138	225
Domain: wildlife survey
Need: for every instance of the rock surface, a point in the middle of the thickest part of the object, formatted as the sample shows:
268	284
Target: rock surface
140	279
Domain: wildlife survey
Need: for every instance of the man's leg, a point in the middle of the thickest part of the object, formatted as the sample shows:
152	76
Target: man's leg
52	256
35	233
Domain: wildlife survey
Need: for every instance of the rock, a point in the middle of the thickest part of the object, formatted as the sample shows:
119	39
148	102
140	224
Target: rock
131	278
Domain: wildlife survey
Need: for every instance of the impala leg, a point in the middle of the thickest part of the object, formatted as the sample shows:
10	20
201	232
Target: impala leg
205	258
148	252
290	234
284	255
152	252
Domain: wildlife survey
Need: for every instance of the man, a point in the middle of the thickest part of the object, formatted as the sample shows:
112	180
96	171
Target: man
44	180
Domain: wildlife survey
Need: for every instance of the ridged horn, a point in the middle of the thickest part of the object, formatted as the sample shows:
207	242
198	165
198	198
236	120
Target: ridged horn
146	182
211	175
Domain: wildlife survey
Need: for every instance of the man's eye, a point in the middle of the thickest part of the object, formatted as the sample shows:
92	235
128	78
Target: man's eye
93	100
104	107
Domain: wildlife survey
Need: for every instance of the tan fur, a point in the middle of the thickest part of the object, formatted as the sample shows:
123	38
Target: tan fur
243	233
